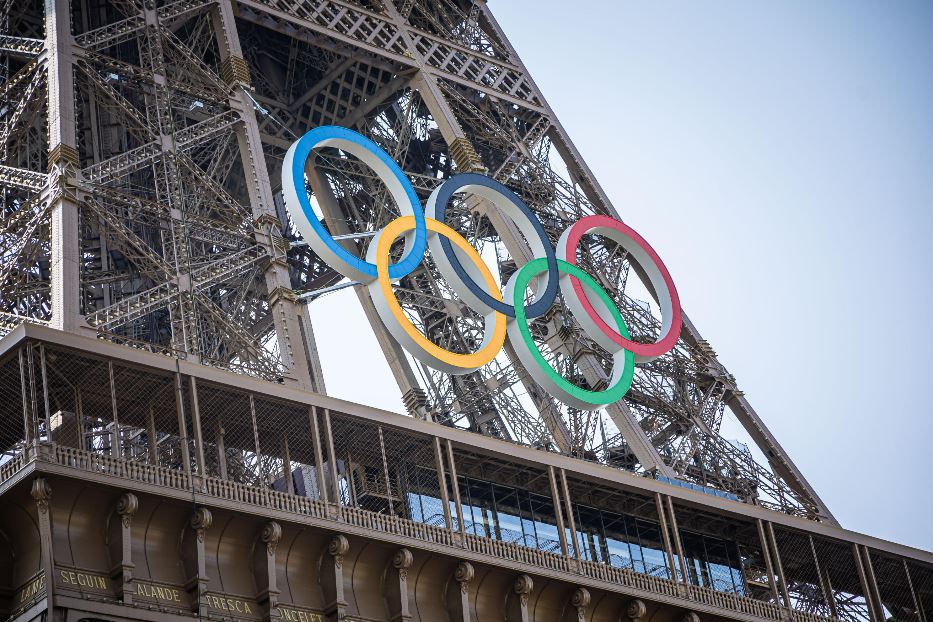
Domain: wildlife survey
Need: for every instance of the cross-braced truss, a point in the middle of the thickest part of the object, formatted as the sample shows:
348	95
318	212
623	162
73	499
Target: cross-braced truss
142	144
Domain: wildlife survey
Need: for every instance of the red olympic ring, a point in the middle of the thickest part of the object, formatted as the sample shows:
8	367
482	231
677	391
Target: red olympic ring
649	261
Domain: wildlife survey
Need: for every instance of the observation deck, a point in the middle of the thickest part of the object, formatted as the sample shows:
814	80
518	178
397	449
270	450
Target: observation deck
135	485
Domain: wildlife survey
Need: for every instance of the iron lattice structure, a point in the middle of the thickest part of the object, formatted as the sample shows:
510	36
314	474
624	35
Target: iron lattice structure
142	142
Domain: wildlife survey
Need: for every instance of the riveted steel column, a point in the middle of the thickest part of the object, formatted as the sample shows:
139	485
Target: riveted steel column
318	455
442	481
28	431
116	440
60	191
665	535
677	544
456	487
778	565
863	582
766	552
558	513
569	506
824	580
329	437
287	465
42	495
913	594
196	427
872	583
221	450
182	425
296	346
152	444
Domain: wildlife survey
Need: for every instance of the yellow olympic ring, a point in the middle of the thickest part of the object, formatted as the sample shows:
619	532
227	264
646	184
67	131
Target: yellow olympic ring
403	330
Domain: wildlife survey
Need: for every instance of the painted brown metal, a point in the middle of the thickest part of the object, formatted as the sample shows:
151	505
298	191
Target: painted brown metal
202	472
122	538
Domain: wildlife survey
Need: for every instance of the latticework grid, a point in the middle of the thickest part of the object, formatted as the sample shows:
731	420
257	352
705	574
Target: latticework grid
99	406
805	585
387	470
896	590
52	396
838	563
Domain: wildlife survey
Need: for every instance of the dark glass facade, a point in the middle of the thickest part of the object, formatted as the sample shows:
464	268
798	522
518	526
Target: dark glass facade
526	518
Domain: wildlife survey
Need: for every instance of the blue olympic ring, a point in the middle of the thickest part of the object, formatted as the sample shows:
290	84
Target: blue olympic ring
351	142
493	191
453	263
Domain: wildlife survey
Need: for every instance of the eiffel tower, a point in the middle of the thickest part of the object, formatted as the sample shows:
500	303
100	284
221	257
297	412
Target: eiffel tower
156	346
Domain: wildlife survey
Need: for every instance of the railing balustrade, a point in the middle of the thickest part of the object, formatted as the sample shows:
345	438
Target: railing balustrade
264	497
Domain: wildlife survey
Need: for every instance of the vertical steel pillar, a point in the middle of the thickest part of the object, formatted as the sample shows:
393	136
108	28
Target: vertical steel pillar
824	580
27	418
45	392
79	420
116	439
196	426
287	466
913	594
34	407
863	582
329	437
296	346
873	583
573	523
318	455
152	444
558	513
63	166
182	425
442	481
456	487
677	543
665	535
766	552
385	471
778	565
221	450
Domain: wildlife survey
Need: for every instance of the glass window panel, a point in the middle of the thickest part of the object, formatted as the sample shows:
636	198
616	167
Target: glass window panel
414	507
619	553
720	576
652	549
432	511
738	580
589	531
695	557
655	562
510	528
547	536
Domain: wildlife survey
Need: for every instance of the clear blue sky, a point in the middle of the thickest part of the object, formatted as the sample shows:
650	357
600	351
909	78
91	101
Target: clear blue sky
779	156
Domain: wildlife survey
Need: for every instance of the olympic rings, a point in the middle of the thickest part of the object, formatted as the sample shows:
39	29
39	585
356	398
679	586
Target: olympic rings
647	259
471	279
623	361
401	328
507	202
299	204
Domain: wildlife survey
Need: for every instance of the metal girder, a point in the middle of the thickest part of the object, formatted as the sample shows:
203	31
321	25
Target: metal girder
22	47
378	34
147	214
129	28
24	179
151	208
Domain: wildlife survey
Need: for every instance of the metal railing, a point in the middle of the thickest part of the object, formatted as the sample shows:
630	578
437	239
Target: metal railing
174	479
